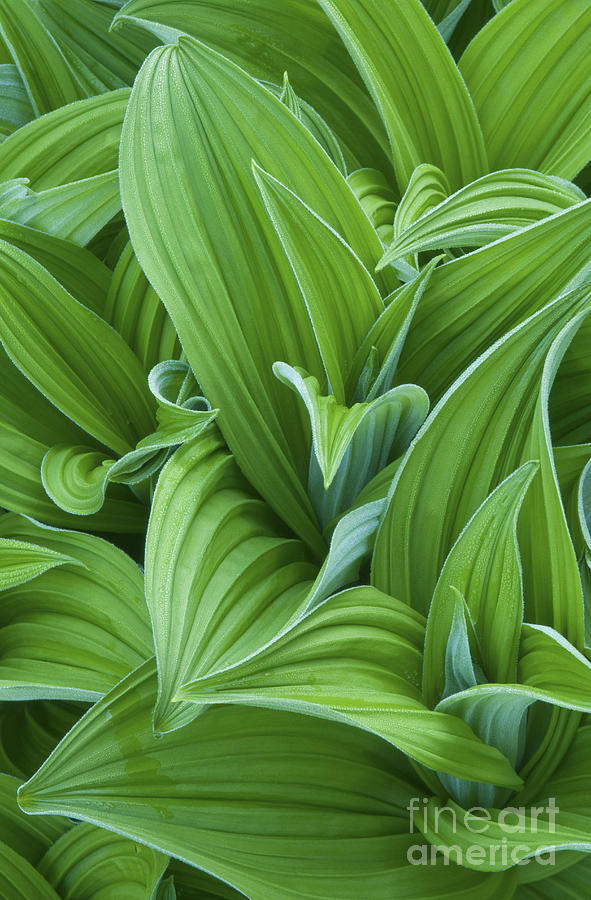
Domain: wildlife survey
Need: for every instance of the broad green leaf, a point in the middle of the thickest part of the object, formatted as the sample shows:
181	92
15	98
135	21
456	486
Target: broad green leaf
47	75
15	106
324	816
71	143
30	730
30	838
375	364
193	884
75	268
356	658
490	208
21	561
75	212
474	438
377	199
74	630
570	405
134	309
529	74
75	477
350	445
428	187
89	863
330	277
71	355
474	300
184	231
571	882
554	668
303	43
408	68
521	832
29	426
484	567
220	574
19	880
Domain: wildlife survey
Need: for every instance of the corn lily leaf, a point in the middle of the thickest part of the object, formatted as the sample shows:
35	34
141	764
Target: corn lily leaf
92	864
325	814
483	424
26	437
71	143
377	198
221	312
350	445
74	630
30	838
304	44
375	364
76	477
75	212
490	208
30	730
81	273
473	301
21	561
570	408
427	188
64	58
66	351
355	658
247	578
330	277
19	880
406	66
561	885
134	309
193	884
529	72
484	567
15	106
446	14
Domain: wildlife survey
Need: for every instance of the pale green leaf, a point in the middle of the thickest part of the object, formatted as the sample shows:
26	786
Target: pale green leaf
15	106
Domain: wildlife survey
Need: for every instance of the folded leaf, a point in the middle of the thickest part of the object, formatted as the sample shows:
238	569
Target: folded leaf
529	74
303	43
75	212
71	355
74	630
30	730
324	815
330	277
28	837
92	864
15	106
19	880
490	208
408	69
484	567
472	440
71	143
221	311
21	561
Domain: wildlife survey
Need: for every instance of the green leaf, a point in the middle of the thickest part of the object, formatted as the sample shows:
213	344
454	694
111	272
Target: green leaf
476	436
75	212
490	208
28	837
351	445
330	277
184	231
529	74
29	426
71	143
484	567
19	880
74	630
89	863
71	355
325	815
408	69
192	884
15	107
21	561
561	885
220	574
472	301
376	197
300	40
134	309
30	730
356	658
